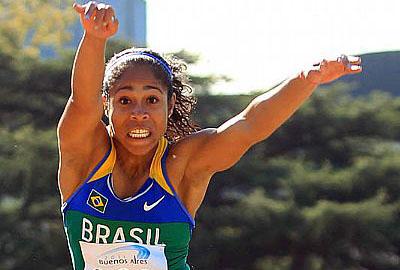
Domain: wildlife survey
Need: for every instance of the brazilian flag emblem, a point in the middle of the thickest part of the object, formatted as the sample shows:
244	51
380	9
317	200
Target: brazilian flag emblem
97	201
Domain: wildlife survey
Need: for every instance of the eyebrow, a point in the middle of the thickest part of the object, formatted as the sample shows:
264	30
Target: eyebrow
146	87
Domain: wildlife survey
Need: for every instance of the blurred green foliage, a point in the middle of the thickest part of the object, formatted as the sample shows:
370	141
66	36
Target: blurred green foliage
321	193
25	26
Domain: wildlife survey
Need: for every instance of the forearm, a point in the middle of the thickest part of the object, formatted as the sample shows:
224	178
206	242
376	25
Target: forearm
88	71
270	110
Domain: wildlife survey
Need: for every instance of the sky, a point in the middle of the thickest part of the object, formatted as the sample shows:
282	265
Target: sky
258	43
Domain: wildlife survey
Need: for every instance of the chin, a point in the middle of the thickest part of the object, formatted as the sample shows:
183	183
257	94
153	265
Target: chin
140	147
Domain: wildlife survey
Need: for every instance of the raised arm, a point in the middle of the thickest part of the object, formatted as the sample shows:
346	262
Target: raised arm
81	134
218	149
85	102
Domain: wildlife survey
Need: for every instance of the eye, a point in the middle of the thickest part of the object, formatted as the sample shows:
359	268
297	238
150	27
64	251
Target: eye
124	100
153	100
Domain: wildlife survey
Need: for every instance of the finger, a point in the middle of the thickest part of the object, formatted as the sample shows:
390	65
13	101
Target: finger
109	16
90	12
78	8
354	59
343	59
116	22
343	62
114	26
353	69
349	59
98	20
101	6
324	65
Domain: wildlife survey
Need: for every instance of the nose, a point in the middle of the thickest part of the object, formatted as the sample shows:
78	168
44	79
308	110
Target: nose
139	113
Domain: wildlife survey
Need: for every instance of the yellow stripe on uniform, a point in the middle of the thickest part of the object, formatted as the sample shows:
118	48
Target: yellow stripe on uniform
156	169
107	167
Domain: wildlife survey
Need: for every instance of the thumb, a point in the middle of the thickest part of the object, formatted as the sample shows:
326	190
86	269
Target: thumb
78	8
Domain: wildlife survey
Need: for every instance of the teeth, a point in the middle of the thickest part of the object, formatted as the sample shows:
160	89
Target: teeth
139	133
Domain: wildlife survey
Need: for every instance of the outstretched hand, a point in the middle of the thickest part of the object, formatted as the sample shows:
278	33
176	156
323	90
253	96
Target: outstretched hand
97	19
330	70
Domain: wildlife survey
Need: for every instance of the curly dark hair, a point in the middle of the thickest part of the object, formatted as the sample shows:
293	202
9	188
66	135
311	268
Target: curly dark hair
180	123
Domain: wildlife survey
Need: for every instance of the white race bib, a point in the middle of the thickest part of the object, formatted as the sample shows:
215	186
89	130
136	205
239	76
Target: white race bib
123	256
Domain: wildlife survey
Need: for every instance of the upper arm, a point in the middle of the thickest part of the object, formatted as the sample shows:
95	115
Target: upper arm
194	159
82	141
79	122
218	149
82	136
82	115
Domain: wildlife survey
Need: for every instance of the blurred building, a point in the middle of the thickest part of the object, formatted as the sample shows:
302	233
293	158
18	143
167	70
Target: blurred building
132	21
131	15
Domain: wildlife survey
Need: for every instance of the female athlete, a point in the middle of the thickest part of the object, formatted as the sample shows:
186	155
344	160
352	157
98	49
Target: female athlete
130	190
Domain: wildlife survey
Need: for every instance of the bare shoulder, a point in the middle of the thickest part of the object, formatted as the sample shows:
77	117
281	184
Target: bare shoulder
190	184
77	161
188	145
182	153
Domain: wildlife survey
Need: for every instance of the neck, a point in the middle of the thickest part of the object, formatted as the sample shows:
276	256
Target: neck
133	166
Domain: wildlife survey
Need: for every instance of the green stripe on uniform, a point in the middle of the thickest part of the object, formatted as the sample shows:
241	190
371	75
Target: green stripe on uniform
82	227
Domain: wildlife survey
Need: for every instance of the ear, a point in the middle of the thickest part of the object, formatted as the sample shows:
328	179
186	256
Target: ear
171	104
105	104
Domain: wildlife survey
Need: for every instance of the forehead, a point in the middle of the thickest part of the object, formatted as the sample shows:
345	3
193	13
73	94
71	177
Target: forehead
139	72
139	75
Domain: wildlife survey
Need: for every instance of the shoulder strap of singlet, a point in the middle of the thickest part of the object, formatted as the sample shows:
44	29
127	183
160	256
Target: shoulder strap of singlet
168	183
156	171
104	168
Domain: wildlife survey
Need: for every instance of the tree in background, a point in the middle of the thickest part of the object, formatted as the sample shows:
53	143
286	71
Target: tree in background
321	193
201	83
31	226
25	26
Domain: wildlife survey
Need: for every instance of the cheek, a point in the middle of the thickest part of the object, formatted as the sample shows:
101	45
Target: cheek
115	115
160	116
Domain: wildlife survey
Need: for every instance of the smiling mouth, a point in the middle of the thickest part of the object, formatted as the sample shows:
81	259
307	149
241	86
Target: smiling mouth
139	133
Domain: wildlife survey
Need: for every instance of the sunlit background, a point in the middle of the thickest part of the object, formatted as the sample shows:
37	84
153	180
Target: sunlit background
322	193
259	43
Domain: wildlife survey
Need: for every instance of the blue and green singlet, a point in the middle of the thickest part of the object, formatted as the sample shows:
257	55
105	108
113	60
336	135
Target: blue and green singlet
148	231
